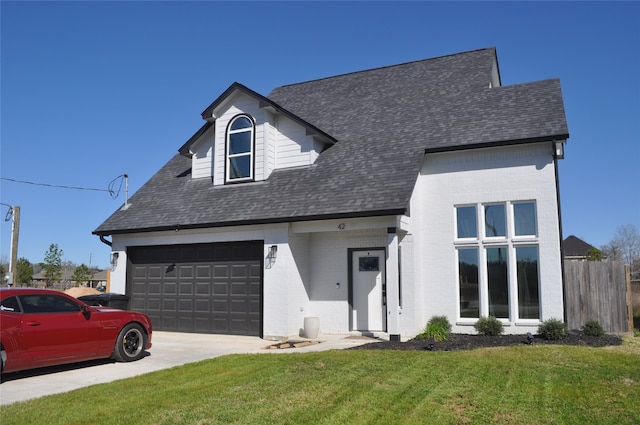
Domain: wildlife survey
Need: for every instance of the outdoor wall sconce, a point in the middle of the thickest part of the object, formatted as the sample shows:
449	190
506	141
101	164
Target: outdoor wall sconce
558	146
114	259
273	251
338	285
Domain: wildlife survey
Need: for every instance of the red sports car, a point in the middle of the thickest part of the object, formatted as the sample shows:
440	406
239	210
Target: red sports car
40	327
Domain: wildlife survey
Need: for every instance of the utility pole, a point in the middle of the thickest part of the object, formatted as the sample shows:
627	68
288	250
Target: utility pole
15	230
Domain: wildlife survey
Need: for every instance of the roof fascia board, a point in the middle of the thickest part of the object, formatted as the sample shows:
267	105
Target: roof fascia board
186	149
555	138
177	227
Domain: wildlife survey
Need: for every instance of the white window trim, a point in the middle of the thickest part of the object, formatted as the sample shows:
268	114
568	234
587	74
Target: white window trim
251	152
482	242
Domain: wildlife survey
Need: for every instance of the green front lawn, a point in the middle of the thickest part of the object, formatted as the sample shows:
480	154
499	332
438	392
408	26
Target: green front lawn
516	385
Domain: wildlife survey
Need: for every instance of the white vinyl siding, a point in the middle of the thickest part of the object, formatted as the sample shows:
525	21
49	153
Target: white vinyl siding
246	106
202	159
279	142
294	147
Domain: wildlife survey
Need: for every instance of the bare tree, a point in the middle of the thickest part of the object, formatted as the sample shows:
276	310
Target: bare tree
625	246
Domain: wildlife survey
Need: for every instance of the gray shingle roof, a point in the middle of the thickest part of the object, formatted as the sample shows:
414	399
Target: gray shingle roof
384	120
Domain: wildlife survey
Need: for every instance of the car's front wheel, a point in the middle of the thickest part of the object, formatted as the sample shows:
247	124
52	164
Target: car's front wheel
130	343
3	357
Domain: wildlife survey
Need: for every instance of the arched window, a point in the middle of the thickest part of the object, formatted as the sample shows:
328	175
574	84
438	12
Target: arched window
240	149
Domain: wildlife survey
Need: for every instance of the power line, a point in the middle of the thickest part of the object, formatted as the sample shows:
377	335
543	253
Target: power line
53	185
112	190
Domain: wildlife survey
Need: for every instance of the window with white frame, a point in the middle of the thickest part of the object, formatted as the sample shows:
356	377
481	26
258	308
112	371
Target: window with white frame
240	141
498	261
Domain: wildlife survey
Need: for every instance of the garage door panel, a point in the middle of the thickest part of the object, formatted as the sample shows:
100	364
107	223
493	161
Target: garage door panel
220	306
239	271
239	288
185	323
138	304
139	288
255	309
255	271
169	304
239	306
170	288
154	305
140	272
186	272
203	288
220	271
185	304
202	305
210	288
186	288
201	325
255	290
220	288
154	272
154	288
203	272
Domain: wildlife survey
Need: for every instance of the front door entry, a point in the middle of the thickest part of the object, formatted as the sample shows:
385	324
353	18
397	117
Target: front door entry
368	289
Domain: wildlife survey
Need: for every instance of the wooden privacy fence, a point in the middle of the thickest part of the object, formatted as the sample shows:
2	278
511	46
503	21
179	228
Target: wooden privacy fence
598	290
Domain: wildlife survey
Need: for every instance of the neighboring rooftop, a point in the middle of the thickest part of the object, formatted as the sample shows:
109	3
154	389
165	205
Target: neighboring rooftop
574	247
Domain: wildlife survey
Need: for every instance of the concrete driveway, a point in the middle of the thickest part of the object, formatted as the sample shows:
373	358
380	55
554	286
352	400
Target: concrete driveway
169	349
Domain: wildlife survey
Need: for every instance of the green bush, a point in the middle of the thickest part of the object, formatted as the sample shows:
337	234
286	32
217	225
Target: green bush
489	326
438	328
553	329
593	328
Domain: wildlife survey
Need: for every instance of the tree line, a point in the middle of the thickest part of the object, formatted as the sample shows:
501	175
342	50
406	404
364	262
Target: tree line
52	267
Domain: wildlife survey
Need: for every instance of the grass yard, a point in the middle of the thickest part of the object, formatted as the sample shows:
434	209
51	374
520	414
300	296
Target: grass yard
515	385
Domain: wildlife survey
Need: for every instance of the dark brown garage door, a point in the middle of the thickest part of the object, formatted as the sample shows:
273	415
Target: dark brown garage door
205	288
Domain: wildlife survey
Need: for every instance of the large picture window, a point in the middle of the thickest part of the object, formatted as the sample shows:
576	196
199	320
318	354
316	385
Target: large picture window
524	218
466	222
495	224
498	282
498	266
528	282
240	149
468	282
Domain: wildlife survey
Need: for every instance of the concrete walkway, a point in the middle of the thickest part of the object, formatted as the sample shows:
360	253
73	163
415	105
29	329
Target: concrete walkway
169	349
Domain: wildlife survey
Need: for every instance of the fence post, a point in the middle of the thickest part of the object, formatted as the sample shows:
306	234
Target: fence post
627	272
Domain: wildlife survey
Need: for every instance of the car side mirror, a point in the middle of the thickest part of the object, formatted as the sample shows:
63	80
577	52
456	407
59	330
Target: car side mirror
86	310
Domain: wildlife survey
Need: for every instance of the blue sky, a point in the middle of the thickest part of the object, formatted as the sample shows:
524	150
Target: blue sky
93	90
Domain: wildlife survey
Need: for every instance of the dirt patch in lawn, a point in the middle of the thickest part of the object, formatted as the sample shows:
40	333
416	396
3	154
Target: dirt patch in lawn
458	342
290	344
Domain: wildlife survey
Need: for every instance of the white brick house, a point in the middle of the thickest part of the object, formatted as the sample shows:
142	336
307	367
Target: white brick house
372	200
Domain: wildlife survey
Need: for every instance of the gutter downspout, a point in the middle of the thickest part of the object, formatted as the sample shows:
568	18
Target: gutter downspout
564	289
104	241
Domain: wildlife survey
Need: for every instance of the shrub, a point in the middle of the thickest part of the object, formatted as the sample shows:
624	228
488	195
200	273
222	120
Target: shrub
489	326
438	328
593	328
553	329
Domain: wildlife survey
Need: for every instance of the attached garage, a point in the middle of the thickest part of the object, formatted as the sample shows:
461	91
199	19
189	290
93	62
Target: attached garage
205	288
